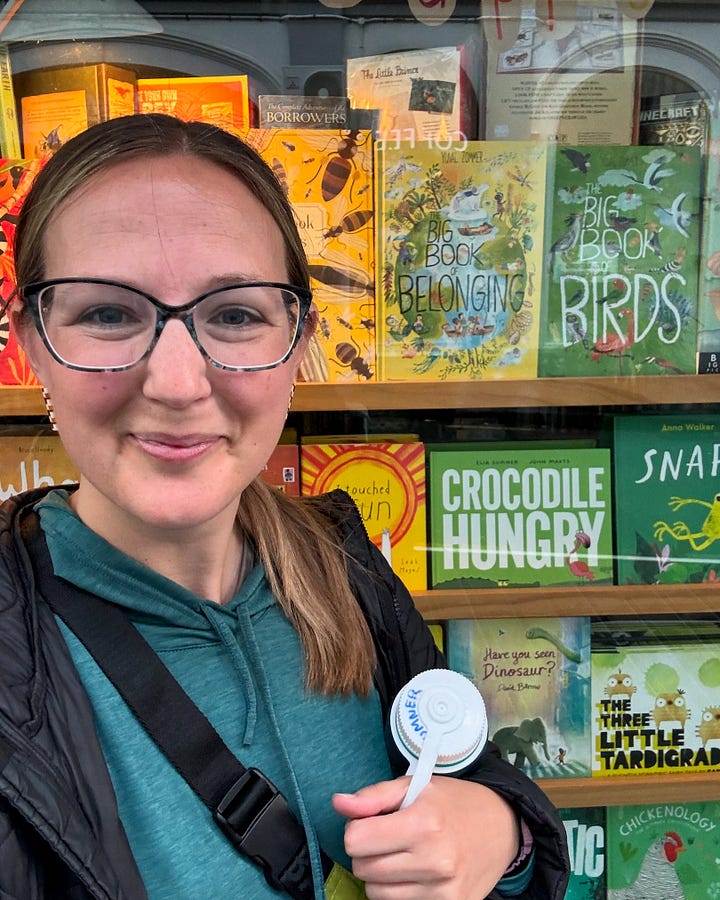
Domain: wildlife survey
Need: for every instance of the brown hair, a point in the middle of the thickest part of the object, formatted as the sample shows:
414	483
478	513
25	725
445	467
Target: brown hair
299	547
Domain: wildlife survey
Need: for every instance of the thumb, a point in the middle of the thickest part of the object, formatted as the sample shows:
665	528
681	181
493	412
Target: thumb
373	800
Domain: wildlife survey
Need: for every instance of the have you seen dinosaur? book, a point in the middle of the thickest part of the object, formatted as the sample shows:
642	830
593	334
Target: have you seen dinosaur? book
621	261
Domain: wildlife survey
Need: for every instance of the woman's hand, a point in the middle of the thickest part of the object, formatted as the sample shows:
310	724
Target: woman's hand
453	843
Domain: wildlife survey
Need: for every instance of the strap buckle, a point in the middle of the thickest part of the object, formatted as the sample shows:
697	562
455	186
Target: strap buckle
257	819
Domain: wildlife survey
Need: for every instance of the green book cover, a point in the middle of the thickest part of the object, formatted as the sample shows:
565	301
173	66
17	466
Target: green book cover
708	344
534	676
665	851
621	261
520	517
655	696
585	830
667	505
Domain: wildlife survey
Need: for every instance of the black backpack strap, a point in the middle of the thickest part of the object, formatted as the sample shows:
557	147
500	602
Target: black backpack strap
246	805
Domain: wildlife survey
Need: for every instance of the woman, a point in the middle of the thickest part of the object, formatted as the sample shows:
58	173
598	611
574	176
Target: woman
164	305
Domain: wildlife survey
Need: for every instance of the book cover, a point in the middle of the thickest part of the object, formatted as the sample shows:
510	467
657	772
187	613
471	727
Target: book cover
29	461
327	175
678	119
459	260
708	343
534	676
664	851
58	103
621	261
10	146
387	482
585	830
298	111
16	176
520	518
667	507
222	100
567	79
655	689
421	95
282	469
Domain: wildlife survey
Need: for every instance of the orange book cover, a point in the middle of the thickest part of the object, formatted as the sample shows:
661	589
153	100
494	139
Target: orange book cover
387	482
327	175
16	176
222	100
32	460
282	470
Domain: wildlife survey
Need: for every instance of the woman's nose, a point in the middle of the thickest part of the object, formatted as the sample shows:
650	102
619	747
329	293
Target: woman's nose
176	370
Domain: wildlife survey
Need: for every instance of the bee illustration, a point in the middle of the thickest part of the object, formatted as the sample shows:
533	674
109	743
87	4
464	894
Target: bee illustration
338	167
349	356
350	223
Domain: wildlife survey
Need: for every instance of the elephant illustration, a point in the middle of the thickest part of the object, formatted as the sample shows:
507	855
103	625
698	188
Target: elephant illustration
522	740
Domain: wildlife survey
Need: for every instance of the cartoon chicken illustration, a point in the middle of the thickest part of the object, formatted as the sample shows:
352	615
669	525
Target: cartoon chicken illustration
657	876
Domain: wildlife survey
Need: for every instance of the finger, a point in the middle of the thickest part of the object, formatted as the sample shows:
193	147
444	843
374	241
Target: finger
373	800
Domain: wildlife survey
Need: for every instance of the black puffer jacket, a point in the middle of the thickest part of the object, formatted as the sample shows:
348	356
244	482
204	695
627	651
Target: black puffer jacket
60	834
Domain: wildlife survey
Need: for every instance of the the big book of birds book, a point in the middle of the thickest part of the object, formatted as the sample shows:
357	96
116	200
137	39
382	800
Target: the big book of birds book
667	502
520	517
621	261
459	260
534	676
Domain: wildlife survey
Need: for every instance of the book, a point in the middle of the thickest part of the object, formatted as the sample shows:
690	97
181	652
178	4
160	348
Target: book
708	341
387	482
327	175
666	498
10	146
585	831
298	111
520	518
29	461
422	95
57	103
222	100
459	260
16	177
534	676
572	80
678	119
282	469
655	696
663	850
621	261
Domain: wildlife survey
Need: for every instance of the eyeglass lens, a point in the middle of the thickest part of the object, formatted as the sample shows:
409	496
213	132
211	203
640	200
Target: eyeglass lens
105	326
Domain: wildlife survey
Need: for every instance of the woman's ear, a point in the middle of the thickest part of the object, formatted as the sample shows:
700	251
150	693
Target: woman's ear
27	337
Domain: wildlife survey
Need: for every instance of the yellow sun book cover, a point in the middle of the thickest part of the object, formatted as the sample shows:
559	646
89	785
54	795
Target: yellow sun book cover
29	461
387	482
327	175
459	260
222	100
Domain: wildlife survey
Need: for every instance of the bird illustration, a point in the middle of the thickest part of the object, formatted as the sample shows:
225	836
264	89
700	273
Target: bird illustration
664	365
575	330
580	161
675	216
657	876
616	344
567	240
654	239
651	178
579	567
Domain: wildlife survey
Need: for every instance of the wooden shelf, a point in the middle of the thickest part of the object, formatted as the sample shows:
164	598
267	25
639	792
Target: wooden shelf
624	790
21	401
610	600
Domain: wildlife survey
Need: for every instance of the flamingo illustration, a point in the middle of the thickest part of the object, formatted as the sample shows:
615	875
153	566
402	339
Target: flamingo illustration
579	567
616	344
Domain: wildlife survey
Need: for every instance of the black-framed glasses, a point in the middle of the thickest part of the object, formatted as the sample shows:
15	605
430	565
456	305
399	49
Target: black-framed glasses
98	325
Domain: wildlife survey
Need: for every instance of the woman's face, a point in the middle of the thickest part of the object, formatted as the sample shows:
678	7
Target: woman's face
173	442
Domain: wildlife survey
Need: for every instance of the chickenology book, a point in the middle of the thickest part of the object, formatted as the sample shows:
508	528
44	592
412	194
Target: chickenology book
459	260
655	696
664	851
386	479
29	460
621	261
585	831
667	505
520	517
534	676
327	175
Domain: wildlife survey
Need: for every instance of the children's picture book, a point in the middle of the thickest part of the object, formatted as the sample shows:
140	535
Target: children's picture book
459	260
387	482
562	73
585	830
679	119
16	176
708	343
420	94
534	676
327	175
655	696
621	261
665	851
10	145
282	470
30	460
301	111
667	506
222	100
520	517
